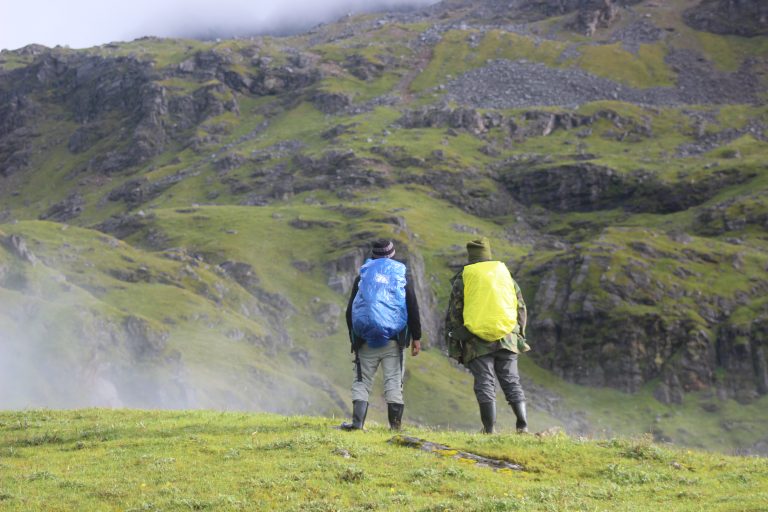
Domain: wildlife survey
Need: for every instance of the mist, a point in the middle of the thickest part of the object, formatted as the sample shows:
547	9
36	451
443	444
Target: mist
85	23
36	372
62	347
58	354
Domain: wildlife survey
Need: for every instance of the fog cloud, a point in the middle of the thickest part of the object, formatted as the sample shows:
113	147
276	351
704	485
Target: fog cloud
84	23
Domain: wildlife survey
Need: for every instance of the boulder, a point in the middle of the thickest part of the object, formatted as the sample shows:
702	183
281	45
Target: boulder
362	67
331	103
748	18
66	209
18	246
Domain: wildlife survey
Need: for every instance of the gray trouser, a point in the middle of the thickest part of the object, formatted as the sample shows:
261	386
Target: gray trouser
501	364
390	356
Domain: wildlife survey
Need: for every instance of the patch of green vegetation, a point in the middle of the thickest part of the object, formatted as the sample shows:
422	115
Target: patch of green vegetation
10	60
164	52
388	41
304	123
236	461
644	69
728	52
361	90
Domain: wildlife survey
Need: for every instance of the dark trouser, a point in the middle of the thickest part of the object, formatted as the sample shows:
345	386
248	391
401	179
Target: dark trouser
501	364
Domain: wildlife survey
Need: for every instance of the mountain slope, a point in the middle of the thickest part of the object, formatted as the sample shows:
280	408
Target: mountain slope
227	192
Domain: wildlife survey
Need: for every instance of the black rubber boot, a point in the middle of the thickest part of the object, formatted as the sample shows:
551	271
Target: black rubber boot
522	417
359	412
488	416
395	413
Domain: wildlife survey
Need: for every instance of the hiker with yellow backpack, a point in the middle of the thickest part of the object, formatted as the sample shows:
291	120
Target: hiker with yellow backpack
485	324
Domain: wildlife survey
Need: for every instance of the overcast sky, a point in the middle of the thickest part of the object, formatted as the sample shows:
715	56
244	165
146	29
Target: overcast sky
84	23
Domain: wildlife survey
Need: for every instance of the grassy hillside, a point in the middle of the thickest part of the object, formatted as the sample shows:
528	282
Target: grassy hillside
94	459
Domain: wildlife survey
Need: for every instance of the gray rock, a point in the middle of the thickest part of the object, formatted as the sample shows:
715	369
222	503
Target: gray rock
66	209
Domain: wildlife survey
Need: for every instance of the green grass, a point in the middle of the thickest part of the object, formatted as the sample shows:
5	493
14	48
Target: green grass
94	459
729	52
164	52
361	90
645	69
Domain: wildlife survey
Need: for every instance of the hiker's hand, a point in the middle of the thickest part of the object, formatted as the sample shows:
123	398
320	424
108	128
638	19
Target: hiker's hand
415	347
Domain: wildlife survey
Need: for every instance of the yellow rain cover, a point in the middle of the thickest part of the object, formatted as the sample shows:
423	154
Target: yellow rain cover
490	301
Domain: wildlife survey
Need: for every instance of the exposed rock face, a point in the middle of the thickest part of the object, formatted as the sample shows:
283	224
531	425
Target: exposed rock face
331	103
589	187
97	90
734	215
65	210
91	87
363	68
85	137
123	226
143	340
735	17
140	190
636	33
243	273
266	79
461	118
743	351
273	307
283	79
343	270
469	190
601	13
583	297
341	171
17	111
18	246
431	317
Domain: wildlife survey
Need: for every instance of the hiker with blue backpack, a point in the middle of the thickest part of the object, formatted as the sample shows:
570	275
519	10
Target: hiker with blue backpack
383	320
485	324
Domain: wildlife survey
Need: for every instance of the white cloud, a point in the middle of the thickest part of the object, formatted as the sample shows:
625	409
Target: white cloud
84	23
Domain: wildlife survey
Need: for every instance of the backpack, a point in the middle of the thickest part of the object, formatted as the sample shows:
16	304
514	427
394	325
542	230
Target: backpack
490	300
379	313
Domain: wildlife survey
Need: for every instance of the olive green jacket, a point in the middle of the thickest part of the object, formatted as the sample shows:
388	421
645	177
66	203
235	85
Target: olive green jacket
463	346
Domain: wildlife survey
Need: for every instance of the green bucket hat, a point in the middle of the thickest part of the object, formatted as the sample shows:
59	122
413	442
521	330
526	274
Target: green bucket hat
479	250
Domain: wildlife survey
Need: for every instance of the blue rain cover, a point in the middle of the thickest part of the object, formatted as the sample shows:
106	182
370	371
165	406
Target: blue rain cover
378	310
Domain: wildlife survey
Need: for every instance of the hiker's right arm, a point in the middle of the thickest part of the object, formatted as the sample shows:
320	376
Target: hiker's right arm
351	300
412	307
